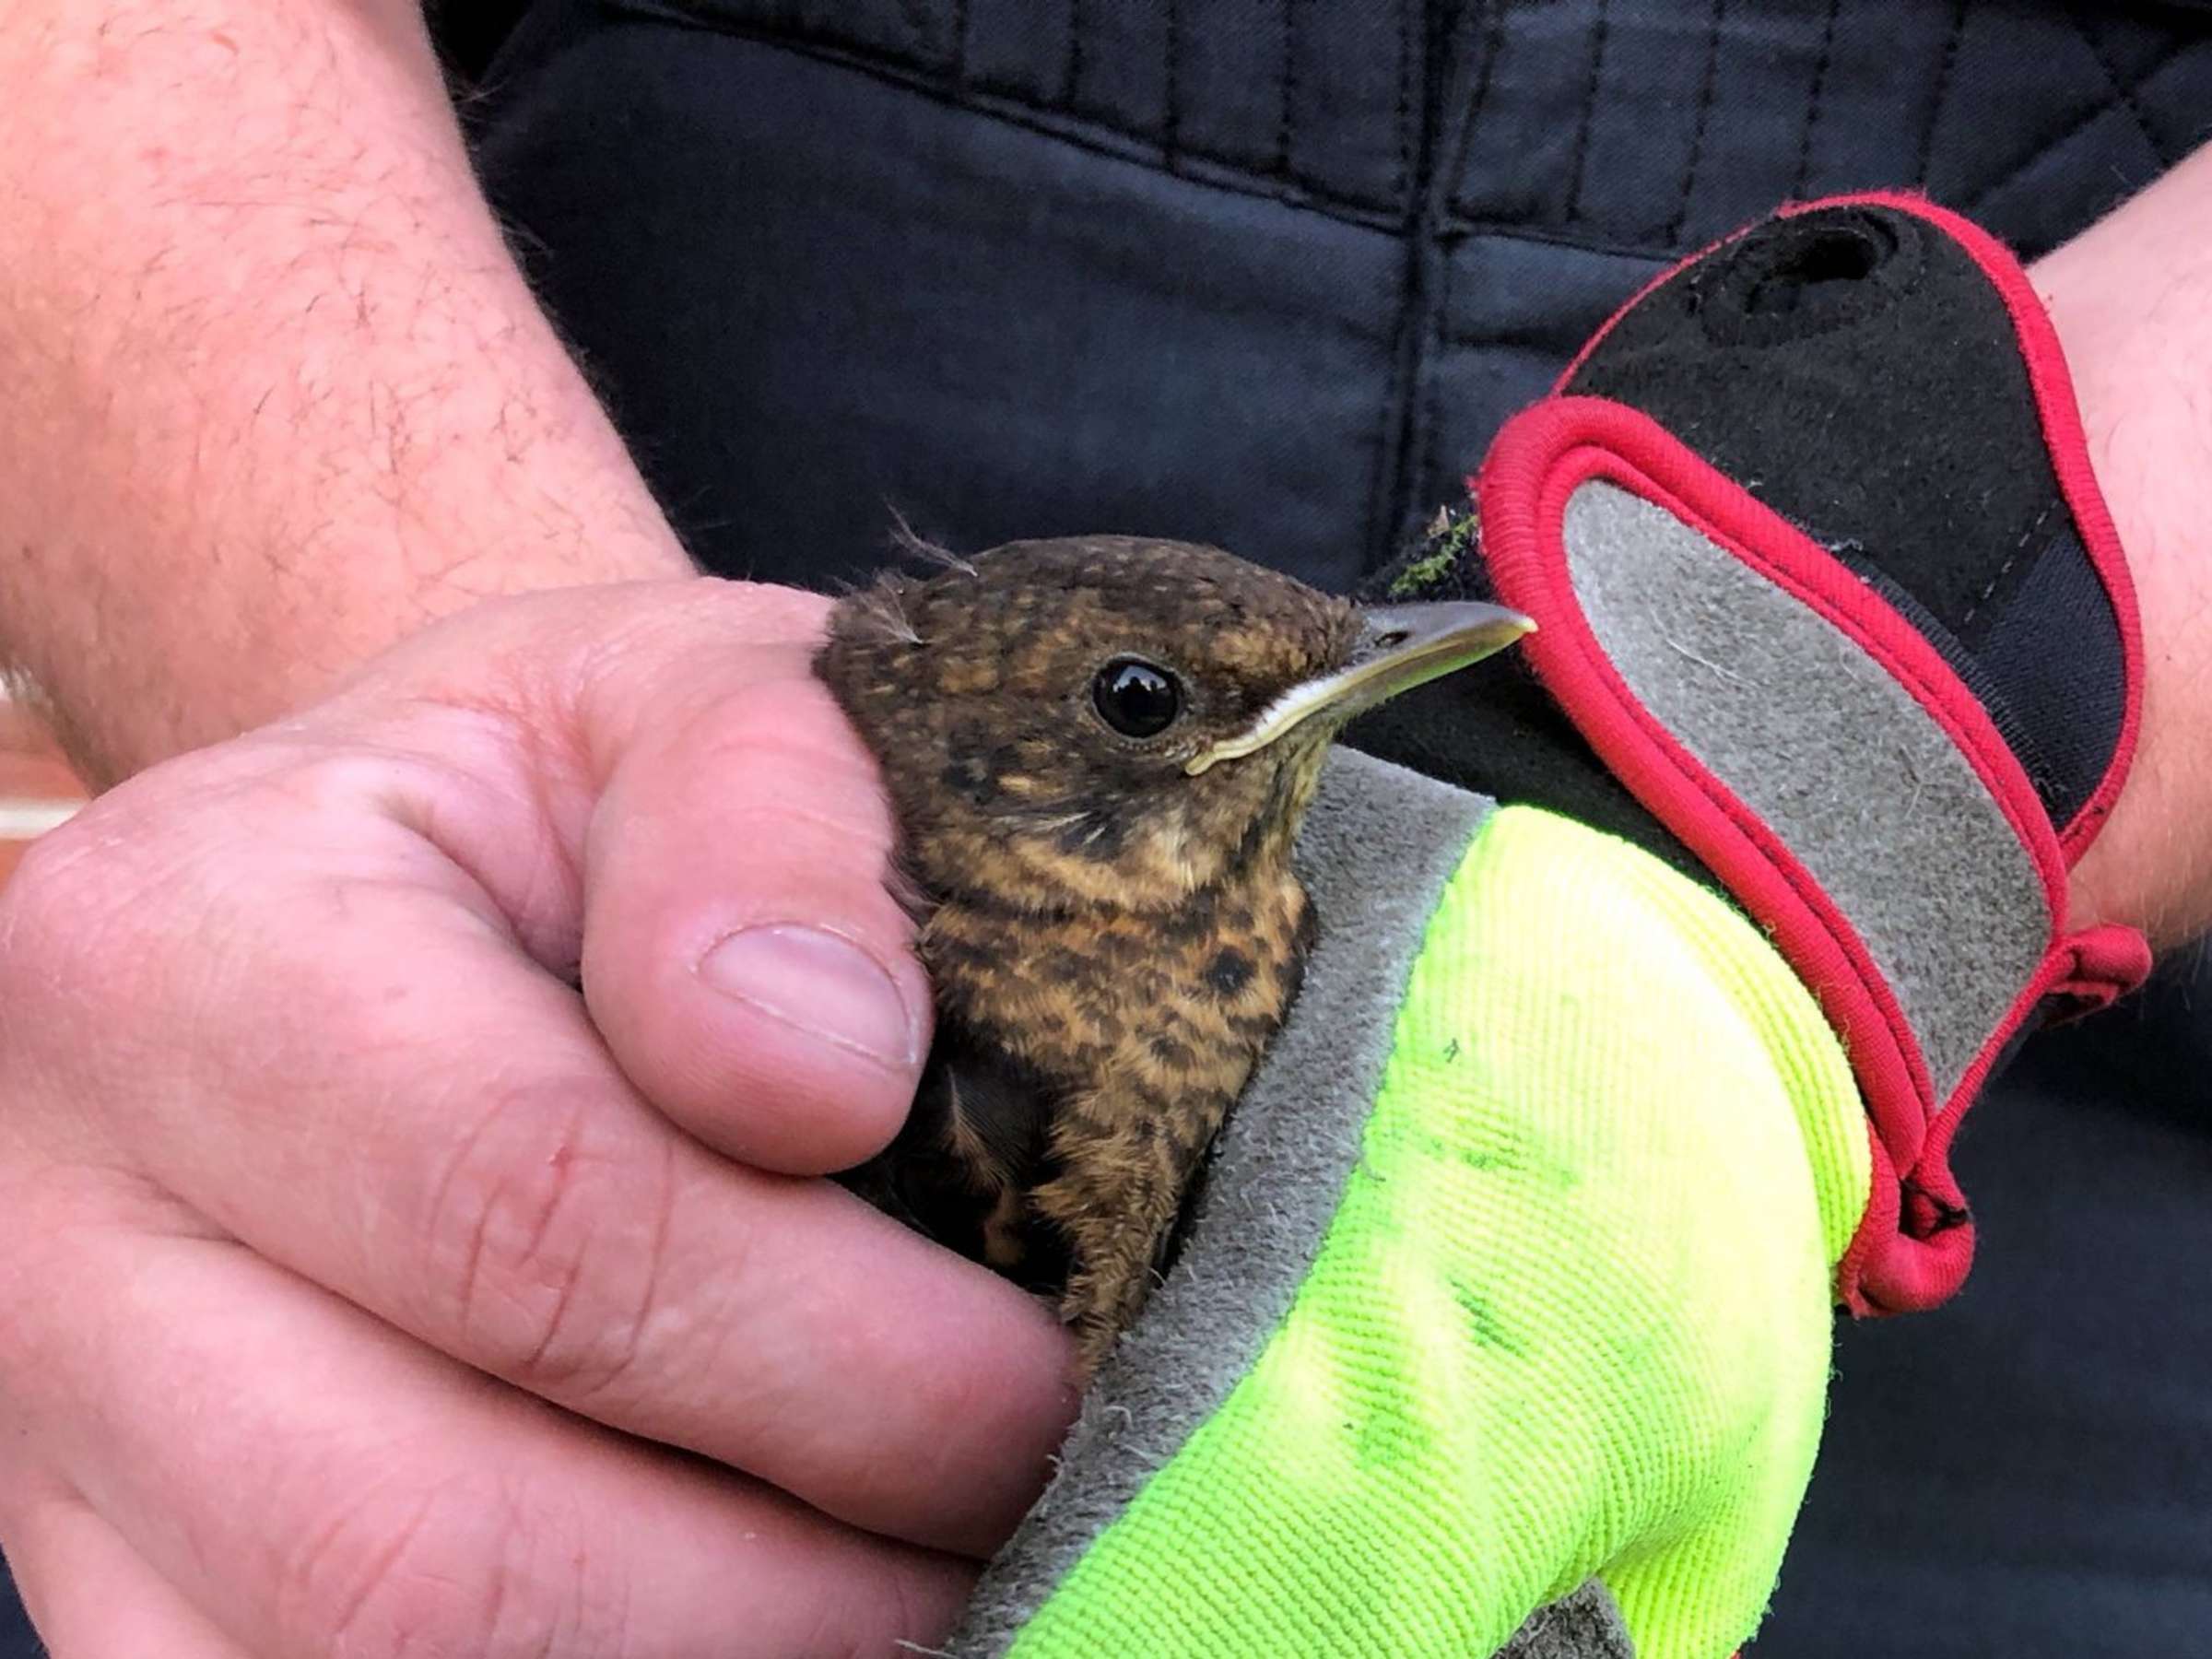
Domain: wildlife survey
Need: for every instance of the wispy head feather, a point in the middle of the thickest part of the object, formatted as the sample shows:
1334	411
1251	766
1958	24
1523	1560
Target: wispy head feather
880	605
913	544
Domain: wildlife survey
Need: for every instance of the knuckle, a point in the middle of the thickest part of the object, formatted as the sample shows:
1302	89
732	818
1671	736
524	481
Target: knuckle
463	1571
544	1240
71	951
98	905
47	890
105	928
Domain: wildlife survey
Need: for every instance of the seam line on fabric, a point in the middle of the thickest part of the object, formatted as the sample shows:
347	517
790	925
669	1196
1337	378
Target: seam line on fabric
1455	178
2106	67
1491	42
918	23
1433	442
1812	114
1399	447
2158	65
1170	124
1017	107
1071	65
1706	88
1408	49
1945	69
1578	163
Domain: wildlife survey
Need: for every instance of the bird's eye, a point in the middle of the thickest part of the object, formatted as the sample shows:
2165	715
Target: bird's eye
1135	698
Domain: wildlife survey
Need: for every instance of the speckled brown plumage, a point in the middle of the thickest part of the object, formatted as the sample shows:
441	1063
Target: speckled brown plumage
1112	939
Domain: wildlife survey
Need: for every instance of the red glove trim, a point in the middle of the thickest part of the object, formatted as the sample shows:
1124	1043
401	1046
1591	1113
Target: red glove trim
2060	415
1913	1247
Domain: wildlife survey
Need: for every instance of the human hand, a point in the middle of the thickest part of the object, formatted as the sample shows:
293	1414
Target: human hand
368	1284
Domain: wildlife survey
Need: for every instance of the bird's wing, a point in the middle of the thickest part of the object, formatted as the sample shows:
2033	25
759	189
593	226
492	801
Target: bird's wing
962	1167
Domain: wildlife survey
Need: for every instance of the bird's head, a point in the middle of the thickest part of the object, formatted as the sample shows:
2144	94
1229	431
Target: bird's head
1108	719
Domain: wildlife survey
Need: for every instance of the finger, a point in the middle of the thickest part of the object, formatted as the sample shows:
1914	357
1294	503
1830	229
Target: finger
741	952
317	1484
91	1597
428	1125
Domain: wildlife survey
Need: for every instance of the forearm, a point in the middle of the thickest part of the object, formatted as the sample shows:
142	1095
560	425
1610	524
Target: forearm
275	392
2132	298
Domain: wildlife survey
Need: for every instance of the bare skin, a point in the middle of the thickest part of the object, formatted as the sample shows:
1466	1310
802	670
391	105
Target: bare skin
269	361
321	1182
278	397
2132	298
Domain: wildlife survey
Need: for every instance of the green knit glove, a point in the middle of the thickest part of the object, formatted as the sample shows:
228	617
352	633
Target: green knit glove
1513	1272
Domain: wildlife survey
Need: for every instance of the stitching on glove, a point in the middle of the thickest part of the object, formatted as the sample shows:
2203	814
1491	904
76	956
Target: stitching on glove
1538	462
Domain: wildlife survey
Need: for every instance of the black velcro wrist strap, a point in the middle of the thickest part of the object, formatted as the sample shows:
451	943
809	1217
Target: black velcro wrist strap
1822	577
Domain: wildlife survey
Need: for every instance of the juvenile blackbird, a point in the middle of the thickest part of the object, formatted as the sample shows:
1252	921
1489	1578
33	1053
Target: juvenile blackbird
1098	752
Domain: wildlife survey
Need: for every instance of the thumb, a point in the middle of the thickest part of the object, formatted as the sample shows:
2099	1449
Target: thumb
702	832
741	953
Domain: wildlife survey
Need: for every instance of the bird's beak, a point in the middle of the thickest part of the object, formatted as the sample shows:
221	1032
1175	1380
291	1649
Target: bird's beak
1399	647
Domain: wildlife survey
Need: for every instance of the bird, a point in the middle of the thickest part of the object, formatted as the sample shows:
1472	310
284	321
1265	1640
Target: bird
1098	751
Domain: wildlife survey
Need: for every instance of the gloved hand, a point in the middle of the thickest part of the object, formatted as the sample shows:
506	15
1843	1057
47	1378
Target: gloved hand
1512	1268
1516	1261
1833	617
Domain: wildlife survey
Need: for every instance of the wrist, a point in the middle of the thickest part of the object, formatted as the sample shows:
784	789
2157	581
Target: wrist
2128	301
287	397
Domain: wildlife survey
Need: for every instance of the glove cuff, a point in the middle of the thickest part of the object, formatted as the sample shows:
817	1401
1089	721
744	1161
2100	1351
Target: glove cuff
1883	683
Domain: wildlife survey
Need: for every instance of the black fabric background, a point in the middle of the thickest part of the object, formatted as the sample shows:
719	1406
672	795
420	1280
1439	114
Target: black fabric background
1269	273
